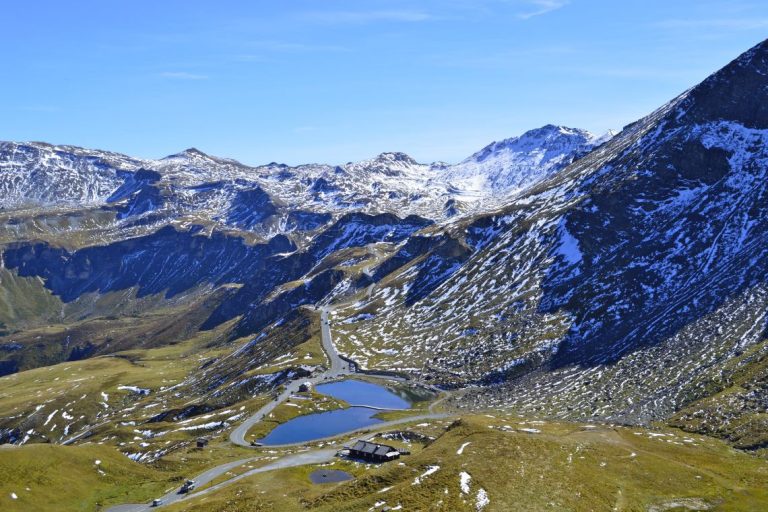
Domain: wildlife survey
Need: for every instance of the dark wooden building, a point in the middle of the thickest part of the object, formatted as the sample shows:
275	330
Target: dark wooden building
202	442
373	452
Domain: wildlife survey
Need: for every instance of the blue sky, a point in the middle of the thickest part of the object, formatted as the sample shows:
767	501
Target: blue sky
333	81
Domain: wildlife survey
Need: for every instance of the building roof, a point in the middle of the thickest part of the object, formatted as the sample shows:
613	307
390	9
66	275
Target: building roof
381	450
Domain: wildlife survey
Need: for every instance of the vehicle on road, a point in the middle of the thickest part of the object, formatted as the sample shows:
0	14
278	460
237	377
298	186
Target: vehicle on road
157	502
188	486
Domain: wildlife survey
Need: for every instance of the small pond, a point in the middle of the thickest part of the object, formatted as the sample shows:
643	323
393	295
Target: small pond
326	476
326	424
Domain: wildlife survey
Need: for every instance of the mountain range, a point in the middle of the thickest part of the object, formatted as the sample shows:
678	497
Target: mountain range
619	278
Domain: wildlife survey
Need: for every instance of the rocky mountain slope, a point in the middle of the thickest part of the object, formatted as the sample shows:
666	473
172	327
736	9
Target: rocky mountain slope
625	287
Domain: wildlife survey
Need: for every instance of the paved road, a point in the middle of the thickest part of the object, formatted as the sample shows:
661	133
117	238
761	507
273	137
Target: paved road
338	368
299	459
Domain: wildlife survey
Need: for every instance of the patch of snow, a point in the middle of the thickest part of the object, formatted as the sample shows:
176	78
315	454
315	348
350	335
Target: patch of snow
569	247
464	481
134	389
430	470
461	448
482	500
49	417
204	426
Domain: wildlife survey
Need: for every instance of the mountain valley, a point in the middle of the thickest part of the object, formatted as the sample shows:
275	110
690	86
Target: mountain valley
556	300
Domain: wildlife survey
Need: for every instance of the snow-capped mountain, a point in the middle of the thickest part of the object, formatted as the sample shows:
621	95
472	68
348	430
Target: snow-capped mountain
37	174
511	165
193	183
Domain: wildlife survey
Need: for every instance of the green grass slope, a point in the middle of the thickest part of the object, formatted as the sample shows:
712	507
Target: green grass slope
514	465
72	478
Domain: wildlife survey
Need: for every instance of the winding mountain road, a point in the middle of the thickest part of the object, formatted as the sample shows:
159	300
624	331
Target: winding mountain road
338	368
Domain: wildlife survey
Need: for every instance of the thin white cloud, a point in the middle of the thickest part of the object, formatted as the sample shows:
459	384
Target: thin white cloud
359	17
715	23
183	75
540	7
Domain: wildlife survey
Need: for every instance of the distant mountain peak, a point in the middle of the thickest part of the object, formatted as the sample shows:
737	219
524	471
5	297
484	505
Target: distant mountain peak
395	156
513	164
553	129
547	136
188	153
194	151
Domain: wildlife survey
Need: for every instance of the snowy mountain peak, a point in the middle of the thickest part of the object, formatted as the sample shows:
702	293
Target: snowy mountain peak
389	164
513	164
194	152
553	130
395	157
389	182
553	140
189	154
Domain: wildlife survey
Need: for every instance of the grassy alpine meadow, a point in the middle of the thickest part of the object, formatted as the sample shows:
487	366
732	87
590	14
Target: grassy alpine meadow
501	462
43	477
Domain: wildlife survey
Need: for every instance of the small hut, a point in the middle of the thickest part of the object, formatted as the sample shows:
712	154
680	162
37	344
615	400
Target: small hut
305	387
202	442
